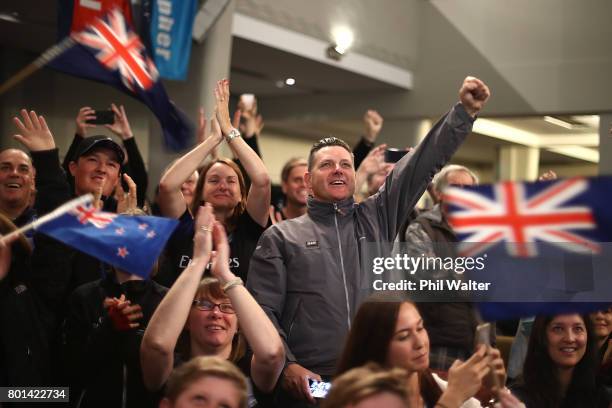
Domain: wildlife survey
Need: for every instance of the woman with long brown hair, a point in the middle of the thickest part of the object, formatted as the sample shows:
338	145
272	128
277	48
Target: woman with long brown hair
391	333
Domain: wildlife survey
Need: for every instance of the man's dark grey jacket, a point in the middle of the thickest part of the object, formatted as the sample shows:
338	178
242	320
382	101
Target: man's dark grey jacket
311	273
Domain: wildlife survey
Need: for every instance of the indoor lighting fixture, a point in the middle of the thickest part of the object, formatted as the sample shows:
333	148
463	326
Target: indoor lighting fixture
343	39
290	81
12	17
558	122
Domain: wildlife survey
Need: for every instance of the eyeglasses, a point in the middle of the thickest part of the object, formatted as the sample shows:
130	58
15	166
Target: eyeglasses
207	305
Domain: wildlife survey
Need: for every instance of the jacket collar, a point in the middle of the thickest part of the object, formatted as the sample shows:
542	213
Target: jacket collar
438	216
323	209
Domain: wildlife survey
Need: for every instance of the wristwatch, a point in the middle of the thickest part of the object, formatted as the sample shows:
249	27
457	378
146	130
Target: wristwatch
233	133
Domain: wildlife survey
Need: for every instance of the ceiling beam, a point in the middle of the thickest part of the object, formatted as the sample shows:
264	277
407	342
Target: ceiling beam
312	48
577	152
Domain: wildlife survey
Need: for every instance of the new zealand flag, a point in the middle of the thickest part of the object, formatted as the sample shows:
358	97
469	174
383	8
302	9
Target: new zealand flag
130	243
108	51
547	245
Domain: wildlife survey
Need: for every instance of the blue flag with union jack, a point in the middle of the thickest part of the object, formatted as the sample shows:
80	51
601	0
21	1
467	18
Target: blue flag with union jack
548	245
109	51
129	243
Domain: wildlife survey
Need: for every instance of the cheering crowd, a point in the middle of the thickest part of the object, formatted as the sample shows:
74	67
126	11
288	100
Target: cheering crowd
261	302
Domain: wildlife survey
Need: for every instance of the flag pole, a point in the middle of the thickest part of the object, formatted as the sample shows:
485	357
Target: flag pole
59	211
38	63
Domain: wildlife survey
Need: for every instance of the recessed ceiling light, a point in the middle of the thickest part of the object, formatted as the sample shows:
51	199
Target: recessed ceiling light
290	81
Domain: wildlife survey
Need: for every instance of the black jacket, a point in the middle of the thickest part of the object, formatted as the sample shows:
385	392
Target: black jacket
54	190
103	363
31	296
449	324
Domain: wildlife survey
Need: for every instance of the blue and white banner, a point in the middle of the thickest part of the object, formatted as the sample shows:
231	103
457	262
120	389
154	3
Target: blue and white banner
171	28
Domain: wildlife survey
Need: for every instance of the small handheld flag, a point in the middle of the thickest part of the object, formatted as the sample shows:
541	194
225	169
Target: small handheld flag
130	243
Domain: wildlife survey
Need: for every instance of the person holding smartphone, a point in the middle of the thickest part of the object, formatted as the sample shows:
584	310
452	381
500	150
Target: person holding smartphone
116	120
390	332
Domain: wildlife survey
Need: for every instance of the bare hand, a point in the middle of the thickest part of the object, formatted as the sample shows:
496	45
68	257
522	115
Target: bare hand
374	160
222	95
236	119
202	239
465	378
123	314
254	126
275	216
253	123
497	378
121	126
97	199
85	113
473	95
126	202
202	133
295	381
548	175
220	265
373	123
507	400
205	132
33	132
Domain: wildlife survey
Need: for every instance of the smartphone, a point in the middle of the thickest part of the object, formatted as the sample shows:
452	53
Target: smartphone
393	155
483	334
319	389
103	117
248	101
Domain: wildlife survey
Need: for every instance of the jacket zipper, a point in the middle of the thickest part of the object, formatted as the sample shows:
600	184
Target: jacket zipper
124	390
348	306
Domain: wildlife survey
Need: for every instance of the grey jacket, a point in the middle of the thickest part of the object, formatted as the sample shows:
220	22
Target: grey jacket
311	273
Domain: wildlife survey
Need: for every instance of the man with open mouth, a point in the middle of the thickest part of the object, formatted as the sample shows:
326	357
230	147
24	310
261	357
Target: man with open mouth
16	186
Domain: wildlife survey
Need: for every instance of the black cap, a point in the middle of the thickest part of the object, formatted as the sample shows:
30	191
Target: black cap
100	141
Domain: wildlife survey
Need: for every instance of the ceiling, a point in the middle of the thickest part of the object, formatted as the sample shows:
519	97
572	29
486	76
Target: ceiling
31	25
28	24
259	69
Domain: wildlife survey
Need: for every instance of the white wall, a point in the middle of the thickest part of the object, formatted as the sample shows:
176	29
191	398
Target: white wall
276	149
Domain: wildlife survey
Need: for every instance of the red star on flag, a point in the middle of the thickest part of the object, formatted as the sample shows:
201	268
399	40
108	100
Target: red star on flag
122	252
151	234
142	226
119	231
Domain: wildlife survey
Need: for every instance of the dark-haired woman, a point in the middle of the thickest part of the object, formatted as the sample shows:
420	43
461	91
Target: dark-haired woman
244	214
560	366
391	333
